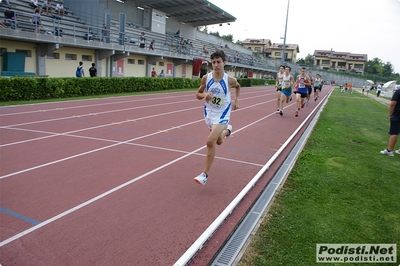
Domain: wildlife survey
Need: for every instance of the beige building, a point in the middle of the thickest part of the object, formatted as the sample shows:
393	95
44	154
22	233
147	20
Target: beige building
258	45
340	61
291	51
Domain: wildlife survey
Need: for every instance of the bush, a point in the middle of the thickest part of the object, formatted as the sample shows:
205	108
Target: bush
28	88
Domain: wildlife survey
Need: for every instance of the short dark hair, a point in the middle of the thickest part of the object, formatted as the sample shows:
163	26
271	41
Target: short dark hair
303	68
218	54
80	63
93	64
288	67
282	66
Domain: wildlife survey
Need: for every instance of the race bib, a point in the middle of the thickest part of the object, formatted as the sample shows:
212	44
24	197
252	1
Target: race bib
217	101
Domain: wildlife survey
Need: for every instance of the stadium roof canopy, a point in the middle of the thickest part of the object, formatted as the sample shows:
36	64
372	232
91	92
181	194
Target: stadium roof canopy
196	12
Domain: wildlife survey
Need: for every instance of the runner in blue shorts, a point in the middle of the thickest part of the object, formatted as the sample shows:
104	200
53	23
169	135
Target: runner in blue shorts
286	92
301	93
214	89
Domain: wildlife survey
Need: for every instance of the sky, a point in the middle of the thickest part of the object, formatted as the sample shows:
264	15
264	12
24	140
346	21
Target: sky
369	27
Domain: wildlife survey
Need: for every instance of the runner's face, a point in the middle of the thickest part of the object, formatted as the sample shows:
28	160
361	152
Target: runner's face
217	64
302	71
287	70
281	69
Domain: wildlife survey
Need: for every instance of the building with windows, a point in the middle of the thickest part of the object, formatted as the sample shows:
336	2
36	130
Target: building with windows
258	45
291	51
340	61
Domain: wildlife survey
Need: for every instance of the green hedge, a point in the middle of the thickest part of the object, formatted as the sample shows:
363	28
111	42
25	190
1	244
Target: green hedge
30	88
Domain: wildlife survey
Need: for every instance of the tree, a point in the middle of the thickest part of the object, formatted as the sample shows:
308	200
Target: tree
387	69
309	60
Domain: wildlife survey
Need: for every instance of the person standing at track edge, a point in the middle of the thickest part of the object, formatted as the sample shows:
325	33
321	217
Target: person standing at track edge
394	130
301	93
214	89
286	92
278	85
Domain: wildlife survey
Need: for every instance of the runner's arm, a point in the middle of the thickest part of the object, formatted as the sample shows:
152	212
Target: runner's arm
233	83
201	95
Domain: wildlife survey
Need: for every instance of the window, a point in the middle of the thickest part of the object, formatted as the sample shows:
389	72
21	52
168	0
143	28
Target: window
360	66
161	63
2	50
86	58
70	56
131	61
341	64
258	49
325	62
53	56
140	62
154	64
277	53
27	53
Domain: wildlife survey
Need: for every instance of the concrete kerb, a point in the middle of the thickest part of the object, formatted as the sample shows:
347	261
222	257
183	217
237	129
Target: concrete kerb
372	95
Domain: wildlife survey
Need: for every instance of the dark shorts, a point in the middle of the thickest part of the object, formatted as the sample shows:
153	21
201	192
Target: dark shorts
317	88
302	94
309	90
394	126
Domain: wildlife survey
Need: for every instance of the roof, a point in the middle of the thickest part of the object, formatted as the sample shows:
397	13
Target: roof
196	12
341	55
257	41
276	46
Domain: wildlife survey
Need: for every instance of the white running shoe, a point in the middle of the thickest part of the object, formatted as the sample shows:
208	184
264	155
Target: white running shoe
201	178
229	128
386	152
281	112
397	151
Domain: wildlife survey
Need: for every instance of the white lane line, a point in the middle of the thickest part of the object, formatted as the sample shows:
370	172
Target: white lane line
105	112
53	134
34	228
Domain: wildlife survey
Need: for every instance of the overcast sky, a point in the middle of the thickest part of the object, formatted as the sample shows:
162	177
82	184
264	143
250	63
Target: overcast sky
369	27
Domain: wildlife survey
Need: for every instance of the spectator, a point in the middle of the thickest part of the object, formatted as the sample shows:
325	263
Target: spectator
153	73
394	129
36	20
162	74
11	18
142	40
60	7
379	90
178	34
205	49
47	6
34	3
226	46
93	71
104	33
151	47
80	70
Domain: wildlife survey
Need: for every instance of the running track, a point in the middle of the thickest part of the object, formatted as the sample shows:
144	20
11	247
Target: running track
110	181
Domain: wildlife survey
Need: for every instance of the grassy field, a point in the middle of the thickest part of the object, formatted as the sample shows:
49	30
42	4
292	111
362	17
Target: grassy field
341	190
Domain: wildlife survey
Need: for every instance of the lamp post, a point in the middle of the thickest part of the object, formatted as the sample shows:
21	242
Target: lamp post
284	38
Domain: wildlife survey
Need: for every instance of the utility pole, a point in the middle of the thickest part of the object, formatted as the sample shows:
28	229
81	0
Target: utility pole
284	38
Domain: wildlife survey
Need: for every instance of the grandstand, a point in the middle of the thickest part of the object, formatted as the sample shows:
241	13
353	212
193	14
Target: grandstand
78	36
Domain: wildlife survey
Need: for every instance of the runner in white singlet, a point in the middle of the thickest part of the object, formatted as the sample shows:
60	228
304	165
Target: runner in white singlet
214	90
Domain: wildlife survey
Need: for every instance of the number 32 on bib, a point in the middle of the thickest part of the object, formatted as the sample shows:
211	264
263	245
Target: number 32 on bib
217	101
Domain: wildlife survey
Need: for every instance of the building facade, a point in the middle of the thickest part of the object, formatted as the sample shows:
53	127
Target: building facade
340	61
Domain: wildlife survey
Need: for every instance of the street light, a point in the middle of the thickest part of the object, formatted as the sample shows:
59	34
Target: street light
284	38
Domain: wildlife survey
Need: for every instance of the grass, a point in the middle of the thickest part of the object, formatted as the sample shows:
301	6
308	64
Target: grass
340	191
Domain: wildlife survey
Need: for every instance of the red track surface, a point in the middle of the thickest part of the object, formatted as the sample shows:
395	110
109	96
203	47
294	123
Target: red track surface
110	181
